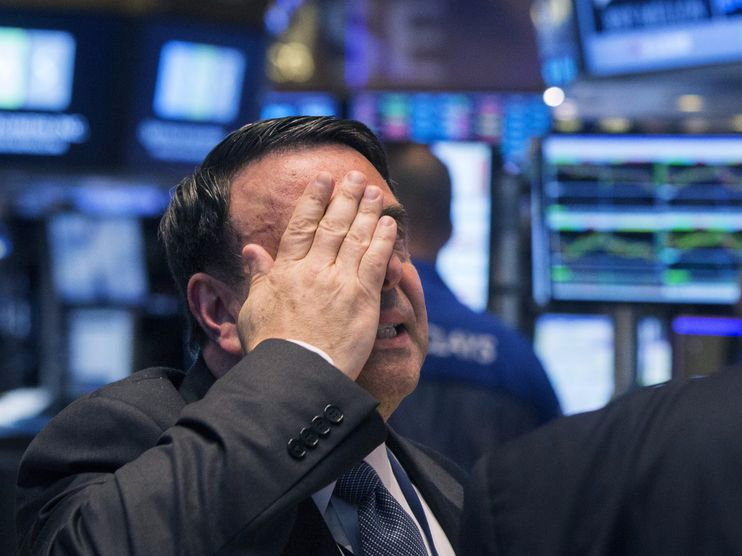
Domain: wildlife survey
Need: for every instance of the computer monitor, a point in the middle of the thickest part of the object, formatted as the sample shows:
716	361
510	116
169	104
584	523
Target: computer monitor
625	37
654	351
57	87
100	346
705	344
509	120
279	104
430	116
557	40
464	262
638	218
577	351
97	259
194	83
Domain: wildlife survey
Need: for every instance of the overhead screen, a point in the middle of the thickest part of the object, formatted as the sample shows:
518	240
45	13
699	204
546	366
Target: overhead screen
557	40
279	104
97	259
649	219
100	348
577	351
194	84
57	84
625	36
509	120
464	262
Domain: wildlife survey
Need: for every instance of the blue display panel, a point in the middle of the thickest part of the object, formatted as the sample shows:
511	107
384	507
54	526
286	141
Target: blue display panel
57	85
577	351
464	262
705	344
506	119
195	84
654	219
625	36
654	351
557	40
97	259
100	347
279	104
199	82
38	69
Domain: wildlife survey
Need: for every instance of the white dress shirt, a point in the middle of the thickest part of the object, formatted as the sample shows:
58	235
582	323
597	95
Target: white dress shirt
342	519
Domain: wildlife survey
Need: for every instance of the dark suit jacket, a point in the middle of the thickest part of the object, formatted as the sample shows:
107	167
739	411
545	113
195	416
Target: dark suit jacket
165	462
462	420
657	472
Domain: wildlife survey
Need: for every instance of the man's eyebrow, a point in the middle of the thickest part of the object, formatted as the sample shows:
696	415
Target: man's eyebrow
399	214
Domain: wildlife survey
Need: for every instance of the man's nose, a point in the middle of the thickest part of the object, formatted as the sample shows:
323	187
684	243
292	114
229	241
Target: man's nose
393	273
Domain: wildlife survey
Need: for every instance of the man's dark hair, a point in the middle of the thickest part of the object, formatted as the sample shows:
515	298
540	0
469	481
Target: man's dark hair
196	230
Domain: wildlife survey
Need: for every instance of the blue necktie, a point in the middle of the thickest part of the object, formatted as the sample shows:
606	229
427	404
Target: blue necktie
385	528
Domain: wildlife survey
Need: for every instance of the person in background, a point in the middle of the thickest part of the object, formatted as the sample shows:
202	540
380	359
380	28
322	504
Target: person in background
481	383
655	472
308	317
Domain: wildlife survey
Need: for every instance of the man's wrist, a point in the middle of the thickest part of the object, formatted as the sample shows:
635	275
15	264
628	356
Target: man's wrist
314	349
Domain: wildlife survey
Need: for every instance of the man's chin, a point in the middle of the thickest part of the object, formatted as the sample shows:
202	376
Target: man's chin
388	384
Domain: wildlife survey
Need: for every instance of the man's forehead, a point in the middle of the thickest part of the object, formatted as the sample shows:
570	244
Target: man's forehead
265	192
284	174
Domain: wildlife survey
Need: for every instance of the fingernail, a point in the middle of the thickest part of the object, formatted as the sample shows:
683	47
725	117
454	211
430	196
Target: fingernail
372	192
386	220
324	178
356	177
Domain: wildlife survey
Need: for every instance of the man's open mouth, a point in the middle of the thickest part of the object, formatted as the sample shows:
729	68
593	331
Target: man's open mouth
386	331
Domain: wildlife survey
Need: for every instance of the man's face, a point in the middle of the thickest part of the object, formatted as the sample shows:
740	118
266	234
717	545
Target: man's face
262	199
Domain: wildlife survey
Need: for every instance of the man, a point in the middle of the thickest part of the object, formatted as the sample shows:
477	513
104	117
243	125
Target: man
655	472
311	327
481	383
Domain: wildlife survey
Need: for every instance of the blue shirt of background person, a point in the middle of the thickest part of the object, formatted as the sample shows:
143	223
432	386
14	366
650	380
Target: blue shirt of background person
481	383
479	348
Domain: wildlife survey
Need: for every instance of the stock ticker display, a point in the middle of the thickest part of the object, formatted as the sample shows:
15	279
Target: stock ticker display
653	219
634	36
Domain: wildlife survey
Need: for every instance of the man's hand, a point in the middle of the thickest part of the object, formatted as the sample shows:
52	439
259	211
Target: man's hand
324	286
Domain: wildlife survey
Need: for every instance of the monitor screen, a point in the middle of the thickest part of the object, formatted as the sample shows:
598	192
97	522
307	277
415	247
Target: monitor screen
199	82
632	36
705	344
654	351
651	219
100	345
195	83
57	85
557	41
464	260
279	104
38	70
429	116
577	351
510	120
97	259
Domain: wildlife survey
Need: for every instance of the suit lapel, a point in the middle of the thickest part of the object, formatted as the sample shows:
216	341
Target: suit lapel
442	491
310	535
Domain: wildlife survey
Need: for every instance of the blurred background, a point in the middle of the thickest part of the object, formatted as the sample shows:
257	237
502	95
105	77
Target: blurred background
595	148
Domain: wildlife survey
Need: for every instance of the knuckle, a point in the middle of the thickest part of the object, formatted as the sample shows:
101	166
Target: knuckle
358	237
332	226
301	225
374	261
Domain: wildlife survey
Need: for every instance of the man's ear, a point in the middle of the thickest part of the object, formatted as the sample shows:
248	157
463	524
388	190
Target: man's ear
216	306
